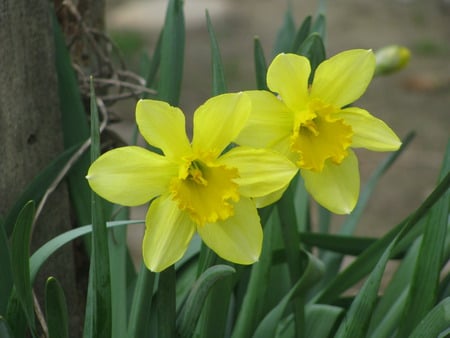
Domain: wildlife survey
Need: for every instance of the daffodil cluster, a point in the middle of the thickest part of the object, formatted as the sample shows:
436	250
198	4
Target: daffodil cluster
201	186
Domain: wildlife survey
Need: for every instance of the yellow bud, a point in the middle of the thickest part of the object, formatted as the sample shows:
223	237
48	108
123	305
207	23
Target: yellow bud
391	59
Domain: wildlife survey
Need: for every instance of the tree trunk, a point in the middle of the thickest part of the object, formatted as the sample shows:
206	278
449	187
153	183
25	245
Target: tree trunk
30	131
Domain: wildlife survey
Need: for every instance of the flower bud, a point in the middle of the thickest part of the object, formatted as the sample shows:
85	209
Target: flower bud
391	59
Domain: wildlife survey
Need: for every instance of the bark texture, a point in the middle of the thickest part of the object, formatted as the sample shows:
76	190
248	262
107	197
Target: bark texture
30	130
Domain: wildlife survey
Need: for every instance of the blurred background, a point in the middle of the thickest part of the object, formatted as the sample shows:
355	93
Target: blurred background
415	99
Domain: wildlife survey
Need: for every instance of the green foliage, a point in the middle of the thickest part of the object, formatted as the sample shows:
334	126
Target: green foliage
299	287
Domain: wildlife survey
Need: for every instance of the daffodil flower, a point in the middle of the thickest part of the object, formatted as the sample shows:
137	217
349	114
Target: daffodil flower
314	126
194	186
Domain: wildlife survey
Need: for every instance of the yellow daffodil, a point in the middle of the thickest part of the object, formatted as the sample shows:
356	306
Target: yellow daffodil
194	186
314	126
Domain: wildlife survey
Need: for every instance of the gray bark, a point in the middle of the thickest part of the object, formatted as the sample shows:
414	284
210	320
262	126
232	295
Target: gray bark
30	128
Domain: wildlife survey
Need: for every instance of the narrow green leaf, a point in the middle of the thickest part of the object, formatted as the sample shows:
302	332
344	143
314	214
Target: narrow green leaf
320	320
6	281
154	63
320	26
118	251
436	321
166	303
38	186
251	311
356	321
172	53
260	65
99	288
5	331
311	274
342	244
41	255
20	253
286	33
368	259
289	229
333	261
302	33
425	283
141	304
192	308
314	49
74	125
56	310
218	77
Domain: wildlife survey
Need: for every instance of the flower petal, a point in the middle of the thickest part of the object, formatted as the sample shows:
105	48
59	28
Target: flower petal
369	131
337	186
288	76
261	171
270	123
163	126
130	175
343	78
237	239
218	121
266	200
167	234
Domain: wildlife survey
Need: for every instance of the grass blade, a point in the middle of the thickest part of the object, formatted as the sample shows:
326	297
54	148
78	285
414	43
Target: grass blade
98	313
172	53
218	77
437	321
260	65
56	310
302	33
425	283
166	302
192	308
286	34
20	253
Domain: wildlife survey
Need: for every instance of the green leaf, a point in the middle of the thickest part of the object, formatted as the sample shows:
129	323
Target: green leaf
260	65
251	311
172	53
6	281
320	320
74	125
37	187
166	303
56	310
302	33
98	321
218	77
154	63
141	304
20	253
347	245
435	322
333	261
320	26
118	255
286	34
311	274
368	259
192	308
314	49
41	255
425	283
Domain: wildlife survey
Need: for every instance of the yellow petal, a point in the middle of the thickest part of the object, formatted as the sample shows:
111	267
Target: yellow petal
337	186
369	131
270	123
167	234
131	175
261	171
163	126
237	239
288	76
218	121
343	78
266	200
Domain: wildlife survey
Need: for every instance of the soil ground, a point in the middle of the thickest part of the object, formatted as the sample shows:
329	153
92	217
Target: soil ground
415	99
